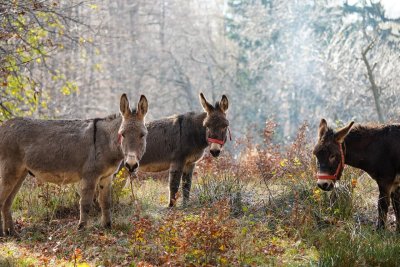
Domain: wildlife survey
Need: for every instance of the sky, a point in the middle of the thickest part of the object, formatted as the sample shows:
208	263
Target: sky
392	7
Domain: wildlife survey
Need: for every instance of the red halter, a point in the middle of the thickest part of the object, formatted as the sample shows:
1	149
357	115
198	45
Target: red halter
339	167
221	142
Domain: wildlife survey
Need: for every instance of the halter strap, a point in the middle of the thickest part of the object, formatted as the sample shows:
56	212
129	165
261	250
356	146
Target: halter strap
221	142
338	169
216	141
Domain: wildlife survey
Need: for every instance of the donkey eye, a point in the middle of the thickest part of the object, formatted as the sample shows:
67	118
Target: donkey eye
142	135
332	158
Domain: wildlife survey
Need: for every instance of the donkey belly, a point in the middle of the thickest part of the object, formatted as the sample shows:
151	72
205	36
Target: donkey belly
154	167
57	178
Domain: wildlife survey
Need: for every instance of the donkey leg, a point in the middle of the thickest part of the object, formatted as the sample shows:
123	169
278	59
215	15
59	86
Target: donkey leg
105	200
187	182
7	184
383	206
175	174
88	188
396	206
8	221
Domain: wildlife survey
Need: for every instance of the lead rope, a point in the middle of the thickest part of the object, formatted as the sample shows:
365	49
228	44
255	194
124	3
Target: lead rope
131	181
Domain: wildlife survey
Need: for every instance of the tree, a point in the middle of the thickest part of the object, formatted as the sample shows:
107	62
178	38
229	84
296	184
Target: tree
30	33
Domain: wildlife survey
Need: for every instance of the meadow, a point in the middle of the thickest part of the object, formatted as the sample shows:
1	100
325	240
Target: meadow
257	208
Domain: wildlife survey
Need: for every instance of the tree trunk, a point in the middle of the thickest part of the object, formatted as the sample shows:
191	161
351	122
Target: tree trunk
374	87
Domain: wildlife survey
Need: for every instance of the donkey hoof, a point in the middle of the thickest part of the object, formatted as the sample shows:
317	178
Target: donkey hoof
81	226
106	225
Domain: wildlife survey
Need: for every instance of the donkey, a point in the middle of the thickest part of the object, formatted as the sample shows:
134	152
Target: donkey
69	151
374	149
177	143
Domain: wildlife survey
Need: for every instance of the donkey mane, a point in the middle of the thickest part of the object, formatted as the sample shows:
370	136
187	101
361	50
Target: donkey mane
370	131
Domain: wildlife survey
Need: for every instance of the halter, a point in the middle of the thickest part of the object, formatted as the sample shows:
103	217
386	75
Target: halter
221	142
339	168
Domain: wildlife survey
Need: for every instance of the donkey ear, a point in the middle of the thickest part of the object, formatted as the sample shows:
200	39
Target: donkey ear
206	106
342	133
224	104
124	107
142	107
323	128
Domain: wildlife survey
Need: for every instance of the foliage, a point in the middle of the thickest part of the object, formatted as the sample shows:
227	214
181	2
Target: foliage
30	33
202	239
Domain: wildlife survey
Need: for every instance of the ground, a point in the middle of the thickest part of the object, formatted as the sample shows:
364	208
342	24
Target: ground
228	222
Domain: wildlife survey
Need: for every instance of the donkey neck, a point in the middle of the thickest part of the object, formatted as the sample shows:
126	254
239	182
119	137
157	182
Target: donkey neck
106	136
357	153
199	132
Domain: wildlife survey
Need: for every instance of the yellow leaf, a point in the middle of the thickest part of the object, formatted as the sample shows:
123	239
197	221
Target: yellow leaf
283	163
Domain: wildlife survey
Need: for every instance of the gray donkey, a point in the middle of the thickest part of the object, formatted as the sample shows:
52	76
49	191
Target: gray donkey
176	143
69	151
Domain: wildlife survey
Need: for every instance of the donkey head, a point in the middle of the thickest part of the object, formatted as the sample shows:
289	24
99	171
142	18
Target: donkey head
132	132
216	123
330	154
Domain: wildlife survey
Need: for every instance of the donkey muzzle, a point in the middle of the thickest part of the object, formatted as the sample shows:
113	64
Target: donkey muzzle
215	149
131	162
131	168
325	184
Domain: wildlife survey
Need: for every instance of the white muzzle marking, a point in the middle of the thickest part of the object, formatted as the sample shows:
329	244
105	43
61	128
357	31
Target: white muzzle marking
215	146
131	159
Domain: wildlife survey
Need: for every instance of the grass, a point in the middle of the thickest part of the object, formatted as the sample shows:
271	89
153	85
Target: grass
297	226
261	210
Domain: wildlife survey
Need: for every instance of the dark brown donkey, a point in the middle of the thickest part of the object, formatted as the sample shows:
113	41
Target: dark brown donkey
68	151
374	149
177	143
